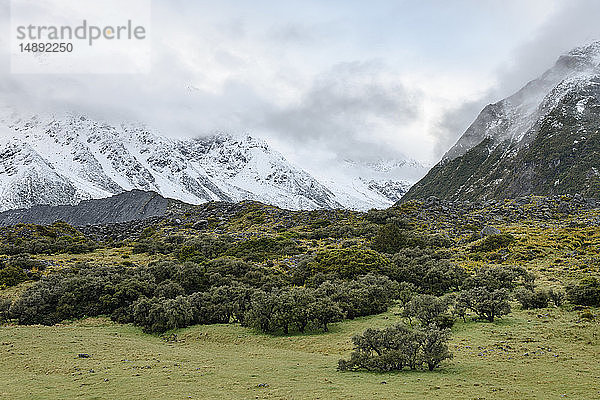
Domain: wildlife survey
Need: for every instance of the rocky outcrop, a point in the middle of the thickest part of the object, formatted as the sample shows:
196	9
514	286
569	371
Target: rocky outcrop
127	206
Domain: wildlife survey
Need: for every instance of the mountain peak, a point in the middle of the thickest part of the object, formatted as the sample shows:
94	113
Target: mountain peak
589	52
542	140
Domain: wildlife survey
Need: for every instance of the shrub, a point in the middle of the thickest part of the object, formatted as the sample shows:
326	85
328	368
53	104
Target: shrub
429	310
202	248
298	307
301	301
11	275
487	304
40	239
261	313
350	262
435	347
428	270
169	289
264	248
397	347
495	278
151	245
324	311
31	268
494	242
160	315
530	299
213	307
556	297
367	295
5	309
586	292
393	237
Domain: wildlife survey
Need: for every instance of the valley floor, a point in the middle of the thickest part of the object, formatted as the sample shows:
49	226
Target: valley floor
543	354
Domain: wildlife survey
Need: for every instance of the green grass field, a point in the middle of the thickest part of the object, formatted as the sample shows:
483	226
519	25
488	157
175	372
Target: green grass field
543	354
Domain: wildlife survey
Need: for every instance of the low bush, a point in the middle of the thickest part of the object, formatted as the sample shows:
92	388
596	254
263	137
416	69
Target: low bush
428	270
586	292
429	310
531	299
393	237
398	347
5	309
494	242
350	262
487	304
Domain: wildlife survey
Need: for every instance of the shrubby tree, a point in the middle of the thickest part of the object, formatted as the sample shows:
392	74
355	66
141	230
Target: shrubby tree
11	275
393	237
5	309
586	292
531	299
429	310
429	270
207	310
367	295
348	263
494	278
261	313
494	242
19	268
398	347
264	248
191	277
169	289
45	239
298	307
301	300
151	245
487	304
557	297
124	293
324	311
203	247
434	346
487	293
160	315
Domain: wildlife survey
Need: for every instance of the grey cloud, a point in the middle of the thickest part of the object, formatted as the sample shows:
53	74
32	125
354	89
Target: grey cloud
342	107
574	23
357	109
456	121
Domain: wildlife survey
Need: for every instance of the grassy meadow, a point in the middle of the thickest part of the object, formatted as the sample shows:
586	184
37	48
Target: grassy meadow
541	354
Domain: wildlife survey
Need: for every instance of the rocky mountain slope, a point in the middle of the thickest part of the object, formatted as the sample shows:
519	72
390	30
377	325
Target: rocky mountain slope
124	207
60	160
543	140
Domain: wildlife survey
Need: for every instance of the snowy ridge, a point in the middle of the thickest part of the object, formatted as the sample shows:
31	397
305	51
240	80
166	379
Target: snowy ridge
55	160
542	140
514	118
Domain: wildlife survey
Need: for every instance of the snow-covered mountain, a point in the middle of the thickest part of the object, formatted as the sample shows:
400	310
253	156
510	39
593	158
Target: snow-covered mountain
371	184
63	159
542	140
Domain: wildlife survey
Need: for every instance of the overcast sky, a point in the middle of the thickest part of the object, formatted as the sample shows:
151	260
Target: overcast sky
323	79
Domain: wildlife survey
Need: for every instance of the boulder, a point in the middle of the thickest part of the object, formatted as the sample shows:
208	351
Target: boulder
489	230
